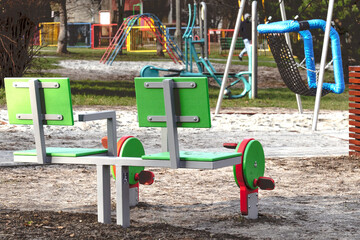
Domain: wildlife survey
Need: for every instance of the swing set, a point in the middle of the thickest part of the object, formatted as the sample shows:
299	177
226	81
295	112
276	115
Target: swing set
277	34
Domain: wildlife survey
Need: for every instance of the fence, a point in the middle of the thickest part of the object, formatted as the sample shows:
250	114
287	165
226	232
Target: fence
354	110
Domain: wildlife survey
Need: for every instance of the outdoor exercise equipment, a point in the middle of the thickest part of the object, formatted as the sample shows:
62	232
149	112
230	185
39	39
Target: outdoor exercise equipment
129	146
166	103
156	27
249	175
193	47
288	67
47	101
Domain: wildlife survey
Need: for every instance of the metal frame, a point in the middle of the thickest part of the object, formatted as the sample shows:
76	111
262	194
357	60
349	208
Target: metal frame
231	52
287	37
322	64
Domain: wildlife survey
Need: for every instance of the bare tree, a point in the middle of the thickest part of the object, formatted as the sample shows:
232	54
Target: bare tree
18	24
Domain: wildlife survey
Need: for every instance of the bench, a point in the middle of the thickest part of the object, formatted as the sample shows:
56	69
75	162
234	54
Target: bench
225	43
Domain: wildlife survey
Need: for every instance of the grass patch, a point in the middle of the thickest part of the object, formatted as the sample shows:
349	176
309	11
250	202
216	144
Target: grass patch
110	93
122	93
282	98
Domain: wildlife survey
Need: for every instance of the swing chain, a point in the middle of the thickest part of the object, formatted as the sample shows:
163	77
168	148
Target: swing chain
301	65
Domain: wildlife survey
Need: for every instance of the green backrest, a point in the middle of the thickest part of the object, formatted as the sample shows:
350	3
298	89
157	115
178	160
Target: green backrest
53	101
188	102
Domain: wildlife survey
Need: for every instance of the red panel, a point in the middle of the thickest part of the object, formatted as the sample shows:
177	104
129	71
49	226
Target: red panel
354	80
354	123
356	148
354	68
354	105
354	99
354	117
356	111
354	74
355	93
354	86
355	142
355	130
354	135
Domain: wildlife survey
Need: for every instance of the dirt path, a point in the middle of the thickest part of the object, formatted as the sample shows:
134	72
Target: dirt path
315	198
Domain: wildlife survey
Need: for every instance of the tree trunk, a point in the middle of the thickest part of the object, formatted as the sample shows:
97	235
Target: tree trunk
177	35
62	39
159	49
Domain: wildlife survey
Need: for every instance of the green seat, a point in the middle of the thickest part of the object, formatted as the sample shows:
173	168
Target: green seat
173	103
44	101
47	101
63	152
193	156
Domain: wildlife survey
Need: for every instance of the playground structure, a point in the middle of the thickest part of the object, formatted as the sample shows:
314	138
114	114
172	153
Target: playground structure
79	34
155	26
141	39
159	100
102	35
326	27
48	33
193	47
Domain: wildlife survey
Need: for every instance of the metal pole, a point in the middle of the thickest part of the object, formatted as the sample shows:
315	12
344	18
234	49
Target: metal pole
322	64
287	37
254	65
231	52
203	18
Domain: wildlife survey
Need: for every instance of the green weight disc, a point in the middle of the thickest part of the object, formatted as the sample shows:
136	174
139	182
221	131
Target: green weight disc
254	163
132	147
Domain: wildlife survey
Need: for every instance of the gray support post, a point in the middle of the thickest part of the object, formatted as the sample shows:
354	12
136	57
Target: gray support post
35	100
173	143
254	52
231	52
287	38
111	134
103	193
103	175
122	196
253	210
322	64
